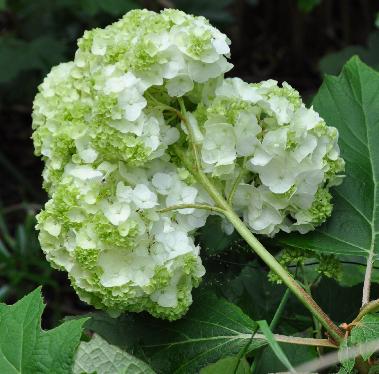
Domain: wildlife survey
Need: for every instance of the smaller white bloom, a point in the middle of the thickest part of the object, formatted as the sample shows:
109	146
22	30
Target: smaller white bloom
246	130
143	197
52	227
179	85
132	101
219	146
282	108
182	194
116	212
99	46
118	84
236	87
83	172
162	182
279	174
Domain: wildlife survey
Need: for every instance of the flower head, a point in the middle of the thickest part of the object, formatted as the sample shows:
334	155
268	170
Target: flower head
105	125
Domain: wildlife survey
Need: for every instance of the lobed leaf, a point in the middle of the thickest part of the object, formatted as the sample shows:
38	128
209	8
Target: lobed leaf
103	358
366	330
26	348
212	329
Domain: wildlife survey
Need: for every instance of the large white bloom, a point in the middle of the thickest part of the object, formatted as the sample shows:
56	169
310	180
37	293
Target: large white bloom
107	126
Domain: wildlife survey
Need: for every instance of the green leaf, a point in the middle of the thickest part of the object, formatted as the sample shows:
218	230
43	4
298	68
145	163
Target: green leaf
350	102
103	358
213	239
366	330
274	345
109	328
228	365
296	354
212	329
3	5
353	272
258	302
25	348
347	364
18	55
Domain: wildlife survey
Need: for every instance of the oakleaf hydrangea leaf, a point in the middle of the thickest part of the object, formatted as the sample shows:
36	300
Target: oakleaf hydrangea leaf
347	364
103	358
367	329
212	329
350	102
26	348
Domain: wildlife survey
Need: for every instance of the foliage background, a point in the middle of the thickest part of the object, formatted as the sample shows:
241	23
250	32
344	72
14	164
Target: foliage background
296	41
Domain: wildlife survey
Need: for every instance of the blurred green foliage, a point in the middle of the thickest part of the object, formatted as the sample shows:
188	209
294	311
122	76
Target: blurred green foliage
332	63
22	266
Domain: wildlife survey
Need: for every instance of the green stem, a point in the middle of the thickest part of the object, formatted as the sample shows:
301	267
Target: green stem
195	206
371	307
236	183
335	333
278	314
316	322
243	351
274	322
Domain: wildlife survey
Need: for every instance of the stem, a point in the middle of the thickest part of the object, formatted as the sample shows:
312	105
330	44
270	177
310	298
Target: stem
236	183
274	265
310	342
371	307
195	151
278	314
367	282
195	206
243	351
261	251
274	322
316	323
335	333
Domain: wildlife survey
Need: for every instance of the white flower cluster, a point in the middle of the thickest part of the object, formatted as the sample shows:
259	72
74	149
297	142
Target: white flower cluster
105	125
283	154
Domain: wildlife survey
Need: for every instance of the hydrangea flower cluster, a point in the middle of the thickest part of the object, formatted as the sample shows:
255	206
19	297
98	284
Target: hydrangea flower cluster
106	126
282	154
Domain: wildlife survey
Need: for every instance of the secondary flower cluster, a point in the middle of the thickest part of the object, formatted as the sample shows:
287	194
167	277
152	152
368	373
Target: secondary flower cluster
106	126
282	155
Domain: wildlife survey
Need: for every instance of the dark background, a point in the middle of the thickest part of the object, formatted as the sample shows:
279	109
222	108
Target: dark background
288	40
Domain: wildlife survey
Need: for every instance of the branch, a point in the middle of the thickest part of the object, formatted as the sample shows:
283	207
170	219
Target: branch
300	341
367	281
195	206
236	183
334	331
371	307
183	117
